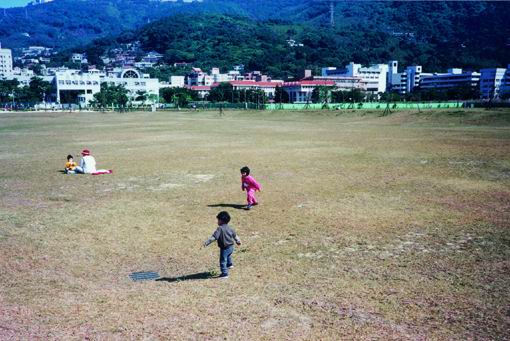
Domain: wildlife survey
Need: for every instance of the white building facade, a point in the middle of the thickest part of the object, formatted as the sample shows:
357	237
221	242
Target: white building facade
5	62
454	78
373	78
494	82
404	82
87	84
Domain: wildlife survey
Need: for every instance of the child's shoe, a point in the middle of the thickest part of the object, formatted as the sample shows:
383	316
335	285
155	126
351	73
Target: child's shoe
223	276
249	206
230	266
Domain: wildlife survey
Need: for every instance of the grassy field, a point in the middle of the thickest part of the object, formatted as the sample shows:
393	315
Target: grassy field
369	228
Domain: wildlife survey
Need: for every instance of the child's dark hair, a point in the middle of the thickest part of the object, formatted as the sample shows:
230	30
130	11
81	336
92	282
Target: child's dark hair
223	216
246	170
69	157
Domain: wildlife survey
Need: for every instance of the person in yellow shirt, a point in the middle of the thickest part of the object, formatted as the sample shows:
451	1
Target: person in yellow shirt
70	165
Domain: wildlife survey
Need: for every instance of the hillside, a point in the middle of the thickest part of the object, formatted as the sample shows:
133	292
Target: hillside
223	41
68	23
221	33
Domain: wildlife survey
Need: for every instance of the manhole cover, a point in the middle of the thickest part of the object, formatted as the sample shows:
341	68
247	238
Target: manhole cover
144	276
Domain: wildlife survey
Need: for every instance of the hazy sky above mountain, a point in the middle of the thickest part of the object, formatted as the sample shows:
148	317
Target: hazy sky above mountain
13	3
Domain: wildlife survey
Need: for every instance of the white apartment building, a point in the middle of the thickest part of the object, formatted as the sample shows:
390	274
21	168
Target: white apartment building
494	82
454	78
5	62
373	78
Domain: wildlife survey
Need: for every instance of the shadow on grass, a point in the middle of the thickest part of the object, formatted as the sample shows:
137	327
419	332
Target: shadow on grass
192	277
236	206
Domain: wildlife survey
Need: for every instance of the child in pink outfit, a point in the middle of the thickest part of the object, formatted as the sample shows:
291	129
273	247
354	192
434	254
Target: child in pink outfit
250	185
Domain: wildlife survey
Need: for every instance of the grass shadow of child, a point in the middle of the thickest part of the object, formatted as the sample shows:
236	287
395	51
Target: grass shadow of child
236	206
192	277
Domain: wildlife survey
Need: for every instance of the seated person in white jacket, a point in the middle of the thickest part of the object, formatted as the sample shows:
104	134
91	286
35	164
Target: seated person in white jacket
87	163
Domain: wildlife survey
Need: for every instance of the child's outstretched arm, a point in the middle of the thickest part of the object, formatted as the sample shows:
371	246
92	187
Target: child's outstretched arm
212	238
209	241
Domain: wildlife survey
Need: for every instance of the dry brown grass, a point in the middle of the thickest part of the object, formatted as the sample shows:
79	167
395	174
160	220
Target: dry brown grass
391	228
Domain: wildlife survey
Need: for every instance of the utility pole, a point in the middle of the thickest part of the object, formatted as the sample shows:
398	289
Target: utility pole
332	14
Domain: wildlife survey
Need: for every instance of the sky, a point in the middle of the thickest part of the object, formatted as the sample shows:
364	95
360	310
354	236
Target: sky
13	3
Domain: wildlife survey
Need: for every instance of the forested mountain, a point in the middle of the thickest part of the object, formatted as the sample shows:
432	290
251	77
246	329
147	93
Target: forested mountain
68	23
435	43
255	32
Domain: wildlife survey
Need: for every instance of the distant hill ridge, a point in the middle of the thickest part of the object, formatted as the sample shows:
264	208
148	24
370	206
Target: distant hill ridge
434	34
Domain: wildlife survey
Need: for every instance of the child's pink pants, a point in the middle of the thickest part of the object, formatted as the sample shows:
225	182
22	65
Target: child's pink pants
250	196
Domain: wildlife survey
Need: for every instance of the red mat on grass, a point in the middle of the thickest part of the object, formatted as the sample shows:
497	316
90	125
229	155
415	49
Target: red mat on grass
101	172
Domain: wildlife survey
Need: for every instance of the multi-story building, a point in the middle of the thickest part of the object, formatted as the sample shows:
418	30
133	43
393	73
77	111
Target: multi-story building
505	84
494	82
373	78
412	77
454	78
24	76
342	83
5	62
197	77
404	82
83	85
76	84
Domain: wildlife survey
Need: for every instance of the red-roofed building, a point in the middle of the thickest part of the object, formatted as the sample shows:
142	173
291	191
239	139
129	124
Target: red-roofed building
269	88
301	91
203	90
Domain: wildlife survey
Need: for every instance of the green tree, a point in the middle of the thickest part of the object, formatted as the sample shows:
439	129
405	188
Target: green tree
178	96
222	93
281	96
111	95
7	88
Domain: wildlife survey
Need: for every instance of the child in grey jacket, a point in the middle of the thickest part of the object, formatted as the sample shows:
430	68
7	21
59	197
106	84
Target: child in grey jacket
225	237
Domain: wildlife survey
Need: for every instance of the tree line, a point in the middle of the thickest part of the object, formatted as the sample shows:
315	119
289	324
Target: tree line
37	91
